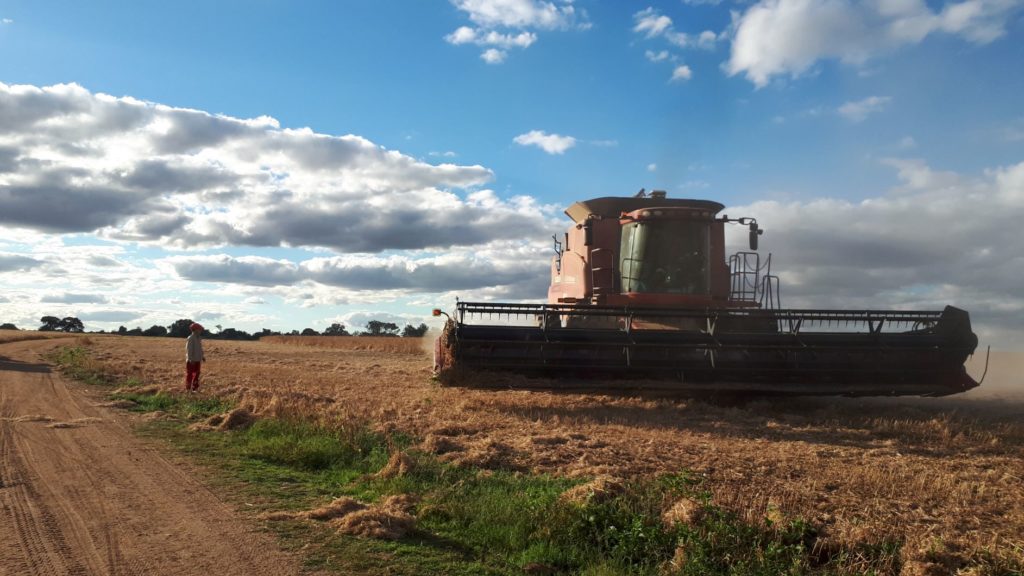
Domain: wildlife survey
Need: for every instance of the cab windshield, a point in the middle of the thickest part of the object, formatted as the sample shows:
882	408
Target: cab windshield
665	256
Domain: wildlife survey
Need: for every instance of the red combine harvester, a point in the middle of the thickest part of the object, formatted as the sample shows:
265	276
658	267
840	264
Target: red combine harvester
642	295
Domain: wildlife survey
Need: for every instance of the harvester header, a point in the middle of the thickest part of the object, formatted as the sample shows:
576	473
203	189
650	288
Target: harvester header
643	294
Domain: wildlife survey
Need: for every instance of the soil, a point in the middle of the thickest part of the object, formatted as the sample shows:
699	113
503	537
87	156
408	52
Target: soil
80	495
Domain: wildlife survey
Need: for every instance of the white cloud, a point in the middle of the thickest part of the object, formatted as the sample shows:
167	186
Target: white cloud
6	21
550	143
907	143
655	25
500	264
652	167
68	298
518	13
707	40
505	24
467	35
145	172
650	23
493	56
681	73
656	56
937	238
787	37
858	111
462	35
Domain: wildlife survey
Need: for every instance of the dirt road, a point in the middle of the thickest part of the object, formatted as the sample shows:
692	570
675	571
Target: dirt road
80	495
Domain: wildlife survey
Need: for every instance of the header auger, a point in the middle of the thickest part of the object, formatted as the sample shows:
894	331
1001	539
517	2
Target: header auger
642	295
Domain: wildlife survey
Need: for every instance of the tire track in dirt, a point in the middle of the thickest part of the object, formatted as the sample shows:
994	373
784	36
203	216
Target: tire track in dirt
92	499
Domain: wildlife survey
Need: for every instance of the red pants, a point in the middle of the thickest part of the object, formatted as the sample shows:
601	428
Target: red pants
192	375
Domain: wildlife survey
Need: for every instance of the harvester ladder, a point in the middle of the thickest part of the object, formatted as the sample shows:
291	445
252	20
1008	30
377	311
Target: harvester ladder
749	278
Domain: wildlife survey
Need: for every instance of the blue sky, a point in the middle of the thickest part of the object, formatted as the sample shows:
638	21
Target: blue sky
880	143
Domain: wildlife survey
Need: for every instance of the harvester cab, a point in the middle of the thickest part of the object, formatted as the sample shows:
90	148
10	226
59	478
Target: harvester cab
648	251
644	295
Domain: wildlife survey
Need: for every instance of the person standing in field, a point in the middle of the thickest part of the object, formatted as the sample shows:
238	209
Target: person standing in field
193	357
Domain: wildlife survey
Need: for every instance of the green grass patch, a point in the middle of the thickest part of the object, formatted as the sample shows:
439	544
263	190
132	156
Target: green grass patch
181	405
76	362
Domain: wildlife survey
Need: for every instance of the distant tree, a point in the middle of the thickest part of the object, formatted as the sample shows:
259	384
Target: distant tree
70	324
411	331
336	330
8	326
50	324
311	332
134	332
180	328
294	333
66	324
232	334
122	330
155	331
378	328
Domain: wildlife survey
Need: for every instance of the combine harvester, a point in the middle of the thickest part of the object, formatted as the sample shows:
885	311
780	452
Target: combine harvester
643	296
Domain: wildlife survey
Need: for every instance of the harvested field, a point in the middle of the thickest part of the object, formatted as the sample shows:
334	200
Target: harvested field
940	475
22	335
367	343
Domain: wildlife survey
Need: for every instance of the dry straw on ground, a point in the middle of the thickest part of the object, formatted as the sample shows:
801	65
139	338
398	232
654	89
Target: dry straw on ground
235	419
360	343
389	520
921	471
399	464
600	489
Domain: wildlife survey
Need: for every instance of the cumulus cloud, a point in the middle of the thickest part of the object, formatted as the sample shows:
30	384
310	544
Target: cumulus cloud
518	13
651	23
858	111
68	298
550	143
505	24
17	262
126	169
787	37
938	238
657	56
493	56
681	73
110	316
496	265
655	26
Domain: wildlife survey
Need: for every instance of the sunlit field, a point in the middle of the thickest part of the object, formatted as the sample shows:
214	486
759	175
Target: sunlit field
943	477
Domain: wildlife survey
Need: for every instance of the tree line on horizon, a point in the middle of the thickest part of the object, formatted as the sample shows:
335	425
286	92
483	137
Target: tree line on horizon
180	329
